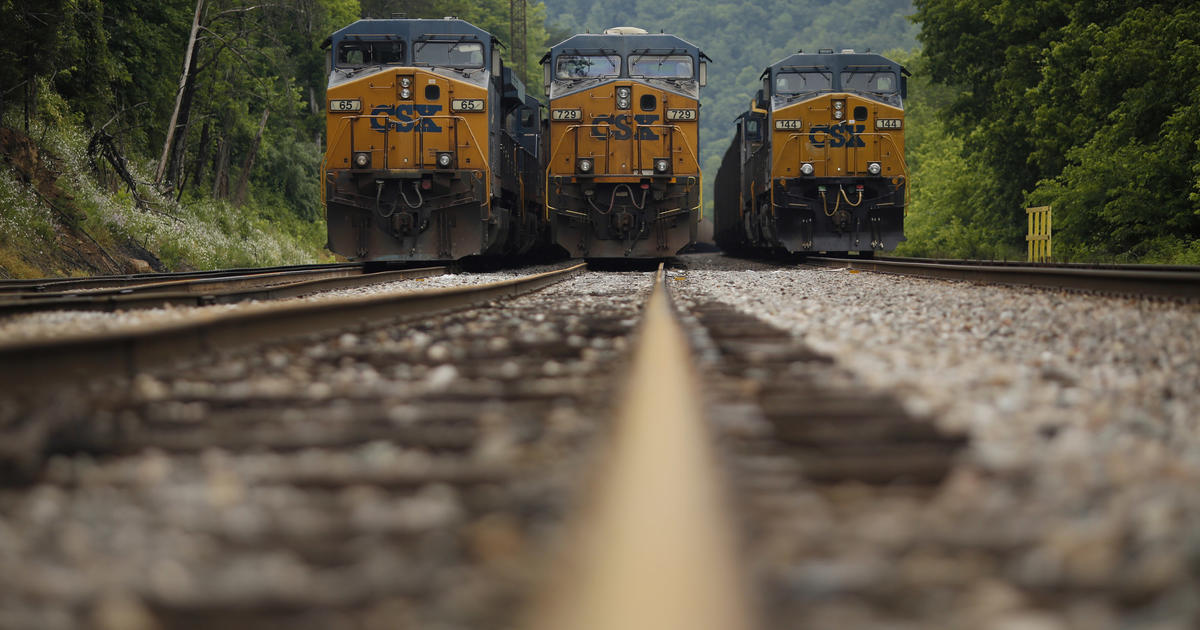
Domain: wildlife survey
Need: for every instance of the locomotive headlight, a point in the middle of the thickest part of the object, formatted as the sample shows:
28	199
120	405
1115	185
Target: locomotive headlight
623	97
806	168
405	82
445	159
362	159
584	165
837	113
874	168
405	93
661	165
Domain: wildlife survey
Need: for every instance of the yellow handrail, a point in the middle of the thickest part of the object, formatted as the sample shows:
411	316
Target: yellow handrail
574	129
347	120
884	135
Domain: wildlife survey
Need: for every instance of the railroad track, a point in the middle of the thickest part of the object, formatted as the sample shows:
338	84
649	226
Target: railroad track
58	285
1148	280
693	465
215	288
29	365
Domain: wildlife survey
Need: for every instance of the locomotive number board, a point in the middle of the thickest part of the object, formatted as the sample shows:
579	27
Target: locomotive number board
889	123
345	105
466	104
795	125
681	114
566	114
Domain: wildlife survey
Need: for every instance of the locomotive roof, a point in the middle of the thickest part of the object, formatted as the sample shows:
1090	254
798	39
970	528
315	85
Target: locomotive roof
410	29
834	61
624	44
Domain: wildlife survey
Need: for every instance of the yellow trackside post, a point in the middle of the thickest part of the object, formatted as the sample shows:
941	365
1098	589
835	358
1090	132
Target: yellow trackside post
1039	234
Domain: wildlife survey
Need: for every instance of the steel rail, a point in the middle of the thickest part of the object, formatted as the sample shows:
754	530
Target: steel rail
43	364
1184	284
206	292
40	285
653	548
1022	263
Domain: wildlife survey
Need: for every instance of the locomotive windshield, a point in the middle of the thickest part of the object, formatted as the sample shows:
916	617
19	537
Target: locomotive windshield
800	82
876	81
448	54
661	66
356	53
587	66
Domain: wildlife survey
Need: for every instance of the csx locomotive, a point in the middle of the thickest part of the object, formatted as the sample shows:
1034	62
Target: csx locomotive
817	162
433	145
622	167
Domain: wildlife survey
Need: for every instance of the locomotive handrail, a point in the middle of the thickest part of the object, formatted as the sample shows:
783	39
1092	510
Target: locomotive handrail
884	135
574	131
349	120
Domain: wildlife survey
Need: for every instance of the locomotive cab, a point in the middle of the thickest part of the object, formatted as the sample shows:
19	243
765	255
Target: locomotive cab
622	168
416	156
838	179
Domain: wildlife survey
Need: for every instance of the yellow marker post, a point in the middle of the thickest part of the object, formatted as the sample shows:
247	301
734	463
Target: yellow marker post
1039	234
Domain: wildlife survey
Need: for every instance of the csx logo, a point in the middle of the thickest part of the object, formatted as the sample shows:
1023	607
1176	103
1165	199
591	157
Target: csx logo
620	129
838	136
405	117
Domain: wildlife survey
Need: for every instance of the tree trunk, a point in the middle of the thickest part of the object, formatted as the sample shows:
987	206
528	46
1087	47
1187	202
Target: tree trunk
202	154
184	79
220	188
244	179
174	173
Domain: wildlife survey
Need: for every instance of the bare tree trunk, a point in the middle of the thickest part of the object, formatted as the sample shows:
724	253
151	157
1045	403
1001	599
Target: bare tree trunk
244	179
175	166
188	65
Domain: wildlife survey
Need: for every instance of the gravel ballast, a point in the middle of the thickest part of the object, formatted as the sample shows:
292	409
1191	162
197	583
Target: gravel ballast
406	476
1076	502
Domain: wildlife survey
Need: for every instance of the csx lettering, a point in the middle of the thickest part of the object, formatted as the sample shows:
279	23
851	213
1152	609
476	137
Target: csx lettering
619	126
405	117
840	135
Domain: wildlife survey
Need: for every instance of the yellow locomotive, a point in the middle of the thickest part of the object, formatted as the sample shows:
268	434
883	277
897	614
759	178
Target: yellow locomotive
817	162
622	167
432	144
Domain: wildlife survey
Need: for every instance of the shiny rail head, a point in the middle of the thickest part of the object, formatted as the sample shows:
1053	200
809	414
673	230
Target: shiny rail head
653	546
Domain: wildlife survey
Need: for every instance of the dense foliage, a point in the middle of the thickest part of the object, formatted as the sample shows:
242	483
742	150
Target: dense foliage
1092	108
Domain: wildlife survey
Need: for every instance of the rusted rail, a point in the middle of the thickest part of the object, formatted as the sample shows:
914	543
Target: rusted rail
205	291
37	365
1175	282
653	547
48	285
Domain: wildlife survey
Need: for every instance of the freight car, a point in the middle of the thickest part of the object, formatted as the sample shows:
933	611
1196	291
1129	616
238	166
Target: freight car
622	167
433	145
817	162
